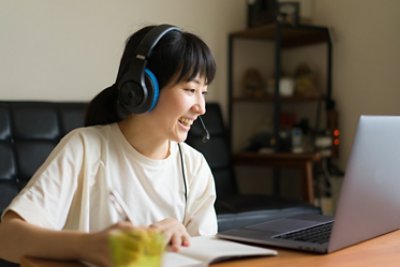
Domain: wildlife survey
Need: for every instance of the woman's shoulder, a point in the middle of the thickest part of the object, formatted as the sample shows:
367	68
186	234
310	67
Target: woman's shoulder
91	136
190	151
92	132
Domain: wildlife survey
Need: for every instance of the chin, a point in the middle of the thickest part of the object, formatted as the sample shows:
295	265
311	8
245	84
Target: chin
180	138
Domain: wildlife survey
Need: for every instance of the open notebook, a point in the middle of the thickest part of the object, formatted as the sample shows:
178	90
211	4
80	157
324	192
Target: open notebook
206	250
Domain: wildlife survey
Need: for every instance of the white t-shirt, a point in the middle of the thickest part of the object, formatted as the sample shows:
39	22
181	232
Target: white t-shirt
71	189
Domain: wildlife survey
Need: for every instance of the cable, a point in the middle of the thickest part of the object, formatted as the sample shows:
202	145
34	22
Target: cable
183	173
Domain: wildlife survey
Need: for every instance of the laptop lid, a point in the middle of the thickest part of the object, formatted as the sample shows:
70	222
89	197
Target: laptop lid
369	203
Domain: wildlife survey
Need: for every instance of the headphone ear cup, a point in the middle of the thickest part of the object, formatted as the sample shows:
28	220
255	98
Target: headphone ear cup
153	90
131	96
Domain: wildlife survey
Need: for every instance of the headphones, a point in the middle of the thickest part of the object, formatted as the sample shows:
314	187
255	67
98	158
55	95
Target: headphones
138	89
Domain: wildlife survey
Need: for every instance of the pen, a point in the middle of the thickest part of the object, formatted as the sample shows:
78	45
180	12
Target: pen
117	203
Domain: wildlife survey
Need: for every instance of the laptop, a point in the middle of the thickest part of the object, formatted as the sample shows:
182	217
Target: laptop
368	205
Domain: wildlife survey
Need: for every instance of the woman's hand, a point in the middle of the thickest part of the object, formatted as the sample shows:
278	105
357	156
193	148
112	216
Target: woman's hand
98	249
174	232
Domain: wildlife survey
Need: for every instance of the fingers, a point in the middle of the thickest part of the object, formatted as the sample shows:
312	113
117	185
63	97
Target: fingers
174	232
123	225
178	240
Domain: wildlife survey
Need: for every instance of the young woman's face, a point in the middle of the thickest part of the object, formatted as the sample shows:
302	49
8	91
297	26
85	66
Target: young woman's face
178	107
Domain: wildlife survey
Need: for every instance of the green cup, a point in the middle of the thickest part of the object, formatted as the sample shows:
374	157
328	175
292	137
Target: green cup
137	248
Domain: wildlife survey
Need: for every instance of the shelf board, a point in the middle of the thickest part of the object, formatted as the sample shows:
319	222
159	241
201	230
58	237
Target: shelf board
275	159
285	99
292	36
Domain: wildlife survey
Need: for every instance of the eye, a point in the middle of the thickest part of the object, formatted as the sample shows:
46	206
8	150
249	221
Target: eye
192	91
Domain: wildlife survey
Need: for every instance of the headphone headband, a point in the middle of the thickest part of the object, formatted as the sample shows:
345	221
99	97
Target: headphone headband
150	40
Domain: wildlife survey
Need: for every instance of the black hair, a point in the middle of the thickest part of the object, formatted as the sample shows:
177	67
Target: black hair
178	56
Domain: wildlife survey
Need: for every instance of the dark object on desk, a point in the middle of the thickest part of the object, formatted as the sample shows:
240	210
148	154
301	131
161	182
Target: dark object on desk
235	209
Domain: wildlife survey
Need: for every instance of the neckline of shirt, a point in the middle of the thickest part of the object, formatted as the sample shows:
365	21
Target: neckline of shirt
125	145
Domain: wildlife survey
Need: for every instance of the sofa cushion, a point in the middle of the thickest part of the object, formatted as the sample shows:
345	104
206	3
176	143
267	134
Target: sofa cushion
29	130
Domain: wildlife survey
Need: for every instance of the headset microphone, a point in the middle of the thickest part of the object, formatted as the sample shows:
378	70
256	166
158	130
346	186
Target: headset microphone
206	134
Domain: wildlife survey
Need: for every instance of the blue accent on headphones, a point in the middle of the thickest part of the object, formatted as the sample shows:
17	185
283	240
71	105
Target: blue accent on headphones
155	86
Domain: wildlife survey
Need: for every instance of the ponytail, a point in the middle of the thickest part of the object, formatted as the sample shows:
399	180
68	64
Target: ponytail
103	108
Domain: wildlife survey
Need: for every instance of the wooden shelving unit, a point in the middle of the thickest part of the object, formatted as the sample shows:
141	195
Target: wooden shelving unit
283	36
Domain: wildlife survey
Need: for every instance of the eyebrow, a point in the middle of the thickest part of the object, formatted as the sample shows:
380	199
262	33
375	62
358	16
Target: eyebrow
197	81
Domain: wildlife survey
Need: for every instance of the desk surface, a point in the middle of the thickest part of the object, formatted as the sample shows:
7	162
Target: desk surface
380	251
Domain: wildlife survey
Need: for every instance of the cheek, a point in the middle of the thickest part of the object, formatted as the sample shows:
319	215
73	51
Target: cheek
165	114
171	104
165	109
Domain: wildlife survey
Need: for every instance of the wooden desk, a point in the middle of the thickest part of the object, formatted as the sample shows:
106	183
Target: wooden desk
302	161
381	251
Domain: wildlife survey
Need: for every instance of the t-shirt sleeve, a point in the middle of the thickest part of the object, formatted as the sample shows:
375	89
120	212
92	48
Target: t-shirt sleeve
46	199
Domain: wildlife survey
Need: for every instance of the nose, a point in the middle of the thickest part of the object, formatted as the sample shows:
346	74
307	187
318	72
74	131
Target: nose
200	106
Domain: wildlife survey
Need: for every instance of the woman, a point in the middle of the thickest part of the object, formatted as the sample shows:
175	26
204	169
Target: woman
131	151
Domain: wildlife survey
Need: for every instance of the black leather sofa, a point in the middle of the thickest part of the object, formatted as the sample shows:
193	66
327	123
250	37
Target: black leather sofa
29	130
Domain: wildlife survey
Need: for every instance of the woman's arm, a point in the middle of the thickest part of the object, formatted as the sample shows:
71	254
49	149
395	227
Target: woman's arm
19	238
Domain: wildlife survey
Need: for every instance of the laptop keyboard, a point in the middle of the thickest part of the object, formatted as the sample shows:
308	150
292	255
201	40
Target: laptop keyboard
317	234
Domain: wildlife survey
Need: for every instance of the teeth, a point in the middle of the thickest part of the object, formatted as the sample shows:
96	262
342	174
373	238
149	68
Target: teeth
186	121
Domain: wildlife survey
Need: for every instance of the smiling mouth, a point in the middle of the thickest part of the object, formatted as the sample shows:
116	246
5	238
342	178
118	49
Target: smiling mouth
186	121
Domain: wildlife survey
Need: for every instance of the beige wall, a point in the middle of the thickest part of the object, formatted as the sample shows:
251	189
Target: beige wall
70	49
366	71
